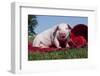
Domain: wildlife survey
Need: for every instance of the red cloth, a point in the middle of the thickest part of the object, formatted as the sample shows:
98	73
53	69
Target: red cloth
34	49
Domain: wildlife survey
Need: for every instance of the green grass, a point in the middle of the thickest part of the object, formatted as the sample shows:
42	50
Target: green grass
62	54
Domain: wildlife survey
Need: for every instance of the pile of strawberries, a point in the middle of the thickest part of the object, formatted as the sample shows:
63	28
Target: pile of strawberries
79	36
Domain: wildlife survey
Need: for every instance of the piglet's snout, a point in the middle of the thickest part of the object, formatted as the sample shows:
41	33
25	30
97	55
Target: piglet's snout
63	35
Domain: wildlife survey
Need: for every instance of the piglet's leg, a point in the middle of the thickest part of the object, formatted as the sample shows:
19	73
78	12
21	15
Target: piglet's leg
43	45
67	45
56	42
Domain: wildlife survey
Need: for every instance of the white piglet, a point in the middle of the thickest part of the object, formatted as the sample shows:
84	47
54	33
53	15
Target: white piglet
53	36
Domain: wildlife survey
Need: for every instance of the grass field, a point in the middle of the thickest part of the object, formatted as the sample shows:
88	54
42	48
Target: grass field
61	54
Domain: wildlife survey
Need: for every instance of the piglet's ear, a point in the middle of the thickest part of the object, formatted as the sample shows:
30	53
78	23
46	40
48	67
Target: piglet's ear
55	30
69	26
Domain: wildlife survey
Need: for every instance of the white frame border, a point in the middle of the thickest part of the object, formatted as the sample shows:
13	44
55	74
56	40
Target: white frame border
16	29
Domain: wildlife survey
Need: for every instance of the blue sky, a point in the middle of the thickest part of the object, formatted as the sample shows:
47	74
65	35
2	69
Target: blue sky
45	22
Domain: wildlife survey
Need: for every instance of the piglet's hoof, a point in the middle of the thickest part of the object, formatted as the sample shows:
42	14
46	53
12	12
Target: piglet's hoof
59	48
